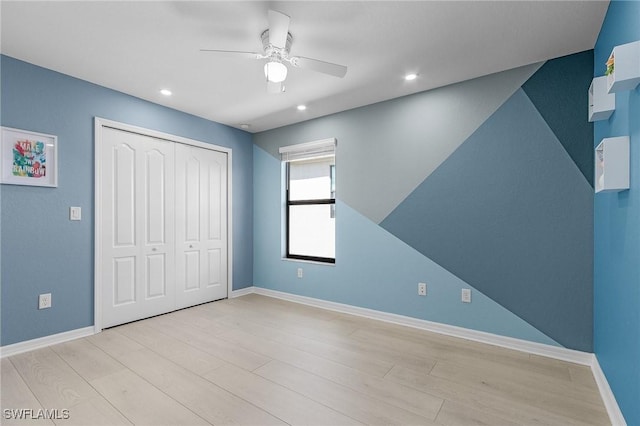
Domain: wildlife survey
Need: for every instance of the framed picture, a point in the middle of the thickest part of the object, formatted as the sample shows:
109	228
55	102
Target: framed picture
28	158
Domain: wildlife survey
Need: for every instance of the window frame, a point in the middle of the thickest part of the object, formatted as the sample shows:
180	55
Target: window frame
314	202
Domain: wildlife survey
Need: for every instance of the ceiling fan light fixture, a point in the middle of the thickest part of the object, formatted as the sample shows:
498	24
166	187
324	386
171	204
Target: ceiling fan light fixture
275	71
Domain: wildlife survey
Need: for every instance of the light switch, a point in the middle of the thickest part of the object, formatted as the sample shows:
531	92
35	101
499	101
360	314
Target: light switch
75	213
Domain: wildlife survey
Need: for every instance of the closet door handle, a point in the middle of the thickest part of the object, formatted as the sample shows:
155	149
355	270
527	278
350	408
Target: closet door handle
190	245
154	249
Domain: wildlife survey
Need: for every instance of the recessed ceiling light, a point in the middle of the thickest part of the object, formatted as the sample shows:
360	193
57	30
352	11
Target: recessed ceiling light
244	126
301	107
166	92
410	77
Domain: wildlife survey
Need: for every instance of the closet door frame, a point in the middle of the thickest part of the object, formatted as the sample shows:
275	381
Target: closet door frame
99	124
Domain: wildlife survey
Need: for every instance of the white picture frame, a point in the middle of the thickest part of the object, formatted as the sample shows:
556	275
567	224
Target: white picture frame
28	158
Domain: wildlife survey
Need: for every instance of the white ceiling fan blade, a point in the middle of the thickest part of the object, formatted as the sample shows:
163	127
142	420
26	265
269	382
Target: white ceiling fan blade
235	53
275	88
278	28
319	66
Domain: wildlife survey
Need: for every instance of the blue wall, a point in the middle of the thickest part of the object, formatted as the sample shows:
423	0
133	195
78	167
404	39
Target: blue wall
468	185
617	232
42	251
506	213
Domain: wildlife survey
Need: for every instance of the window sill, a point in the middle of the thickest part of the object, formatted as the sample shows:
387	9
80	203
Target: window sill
313	262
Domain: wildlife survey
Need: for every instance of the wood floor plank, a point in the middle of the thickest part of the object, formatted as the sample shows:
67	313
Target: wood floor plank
95	411
389	355
552	367
15	395
450	349
275	314
283	403
86	359
358	360
52	381
199	319
181	353
417	402
456	414
508	376
114	343
290	309
502	406
353	404
210	344
277	319
207	400
219	309
548	397
582	376
143	403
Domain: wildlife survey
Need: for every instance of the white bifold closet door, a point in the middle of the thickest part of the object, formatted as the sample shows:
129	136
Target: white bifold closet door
164	226
201	225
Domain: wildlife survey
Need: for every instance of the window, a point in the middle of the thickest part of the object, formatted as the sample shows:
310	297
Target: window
310	201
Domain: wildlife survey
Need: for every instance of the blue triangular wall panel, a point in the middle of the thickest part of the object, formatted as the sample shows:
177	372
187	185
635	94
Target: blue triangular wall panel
508	212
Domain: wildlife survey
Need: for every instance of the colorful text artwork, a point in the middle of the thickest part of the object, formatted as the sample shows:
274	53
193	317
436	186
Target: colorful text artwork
29	159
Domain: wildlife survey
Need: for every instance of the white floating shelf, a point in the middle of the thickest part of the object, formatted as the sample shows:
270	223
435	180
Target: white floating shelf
612	165
601	103
626	68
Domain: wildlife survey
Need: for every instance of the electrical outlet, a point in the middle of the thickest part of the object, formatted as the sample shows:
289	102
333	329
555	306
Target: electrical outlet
422	289
44	301
300	273
466	295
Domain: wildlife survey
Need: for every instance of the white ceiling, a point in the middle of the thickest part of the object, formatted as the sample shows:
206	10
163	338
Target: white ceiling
140	47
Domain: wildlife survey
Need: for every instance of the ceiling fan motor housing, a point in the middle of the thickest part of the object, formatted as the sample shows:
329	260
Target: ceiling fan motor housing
274	52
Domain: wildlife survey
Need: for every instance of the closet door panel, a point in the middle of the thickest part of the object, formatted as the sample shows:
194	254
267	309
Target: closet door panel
191	270
155	197
138	247
191	187
215	267
124	280
214	225
123	164
201	204
156	284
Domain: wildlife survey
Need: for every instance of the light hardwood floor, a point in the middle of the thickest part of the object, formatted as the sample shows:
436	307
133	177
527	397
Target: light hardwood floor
256	360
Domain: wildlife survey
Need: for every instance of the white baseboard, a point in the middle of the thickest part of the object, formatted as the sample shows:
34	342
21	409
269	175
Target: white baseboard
610	403
563	354
241	292
41	342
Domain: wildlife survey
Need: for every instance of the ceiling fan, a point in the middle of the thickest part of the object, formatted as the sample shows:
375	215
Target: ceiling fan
276	43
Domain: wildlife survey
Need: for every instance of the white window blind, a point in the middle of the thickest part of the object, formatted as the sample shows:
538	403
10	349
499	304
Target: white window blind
308	150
